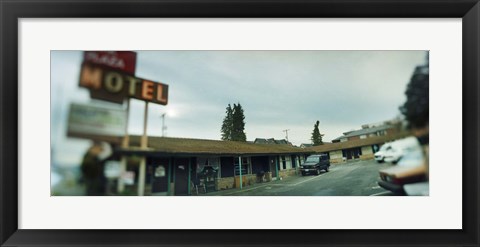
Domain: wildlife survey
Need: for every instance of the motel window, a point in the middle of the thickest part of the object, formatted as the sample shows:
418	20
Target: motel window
363	136
289	161
284	162
214	162
245	169
210	161
201	163
248	165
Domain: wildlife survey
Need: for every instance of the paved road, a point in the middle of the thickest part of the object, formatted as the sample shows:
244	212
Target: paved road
357	178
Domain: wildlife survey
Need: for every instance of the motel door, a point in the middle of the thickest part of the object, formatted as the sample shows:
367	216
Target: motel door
181	176
349	154
273	168
160	178
353	153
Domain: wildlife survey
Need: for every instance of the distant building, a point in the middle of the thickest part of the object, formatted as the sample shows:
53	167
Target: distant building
363	149
306	145
386	128
271	141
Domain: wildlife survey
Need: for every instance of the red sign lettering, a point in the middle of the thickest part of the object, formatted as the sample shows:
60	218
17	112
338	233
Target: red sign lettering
119	60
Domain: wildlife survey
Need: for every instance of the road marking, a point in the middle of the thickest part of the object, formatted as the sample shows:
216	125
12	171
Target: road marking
305	181
381	193
376	187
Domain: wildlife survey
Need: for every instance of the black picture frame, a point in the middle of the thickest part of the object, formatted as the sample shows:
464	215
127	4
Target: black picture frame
11	11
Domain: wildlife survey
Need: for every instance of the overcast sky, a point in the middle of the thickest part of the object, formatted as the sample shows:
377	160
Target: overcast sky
278	90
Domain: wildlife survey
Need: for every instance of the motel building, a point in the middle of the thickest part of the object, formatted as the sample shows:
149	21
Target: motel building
182	166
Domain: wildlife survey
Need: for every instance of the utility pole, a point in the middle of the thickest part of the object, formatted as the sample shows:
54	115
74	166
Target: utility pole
286	133
163	125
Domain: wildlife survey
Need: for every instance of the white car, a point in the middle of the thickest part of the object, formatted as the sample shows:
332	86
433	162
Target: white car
400	147
380	154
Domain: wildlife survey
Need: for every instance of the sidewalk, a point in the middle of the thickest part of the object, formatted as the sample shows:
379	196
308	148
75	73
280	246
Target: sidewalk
228	192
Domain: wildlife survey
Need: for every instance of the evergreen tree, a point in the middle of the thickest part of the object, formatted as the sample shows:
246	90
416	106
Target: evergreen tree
238	126
233	126
316	136
227	124
416	108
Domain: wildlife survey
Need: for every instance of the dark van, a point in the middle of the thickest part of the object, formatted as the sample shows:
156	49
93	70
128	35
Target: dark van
315	163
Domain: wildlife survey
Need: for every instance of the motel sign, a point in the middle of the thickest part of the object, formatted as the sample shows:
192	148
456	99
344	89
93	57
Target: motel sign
114	86
119	60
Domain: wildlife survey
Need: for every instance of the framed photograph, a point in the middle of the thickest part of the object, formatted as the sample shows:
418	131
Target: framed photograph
239	123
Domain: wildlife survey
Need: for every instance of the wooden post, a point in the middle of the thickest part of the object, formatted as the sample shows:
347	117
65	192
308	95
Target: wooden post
144	140
143	145
123	160
141	176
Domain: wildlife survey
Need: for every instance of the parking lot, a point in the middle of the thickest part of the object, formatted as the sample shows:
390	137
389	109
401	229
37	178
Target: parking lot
355	178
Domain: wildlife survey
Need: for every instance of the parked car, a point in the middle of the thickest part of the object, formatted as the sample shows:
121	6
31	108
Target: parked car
398	148
417	189
315	163
411	169
380	154
394	178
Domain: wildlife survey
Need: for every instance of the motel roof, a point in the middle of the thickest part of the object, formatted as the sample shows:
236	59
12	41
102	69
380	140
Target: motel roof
187	146
168	146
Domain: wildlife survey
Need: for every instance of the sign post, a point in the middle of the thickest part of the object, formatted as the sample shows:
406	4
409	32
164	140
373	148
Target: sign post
123	159
143	145
124	61
109	75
